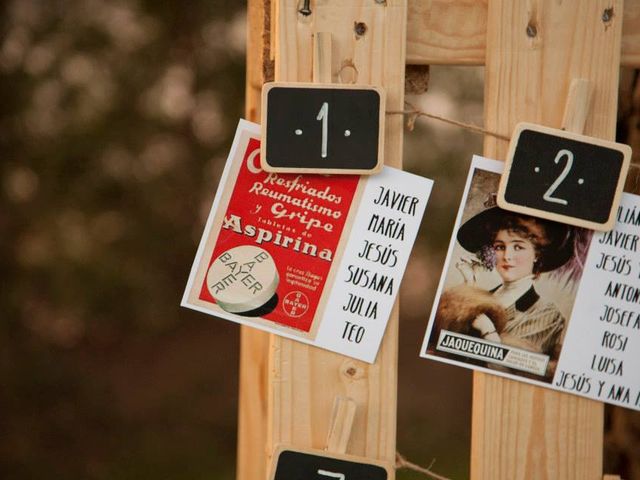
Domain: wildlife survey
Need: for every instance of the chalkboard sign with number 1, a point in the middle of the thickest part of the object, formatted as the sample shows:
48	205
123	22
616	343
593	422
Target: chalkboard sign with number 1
322	128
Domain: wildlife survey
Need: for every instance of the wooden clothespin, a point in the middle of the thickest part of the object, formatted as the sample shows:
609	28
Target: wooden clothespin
322	57
344	412
578	105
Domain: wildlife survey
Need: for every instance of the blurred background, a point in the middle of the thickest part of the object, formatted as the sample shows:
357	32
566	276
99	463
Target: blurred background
115	121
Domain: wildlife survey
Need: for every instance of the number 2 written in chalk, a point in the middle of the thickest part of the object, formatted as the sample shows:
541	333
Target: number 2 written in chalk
548	195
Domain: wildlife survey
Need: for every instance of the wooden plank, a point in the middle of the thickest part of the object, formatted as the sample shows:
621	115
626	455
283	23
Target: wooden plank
252	407
520	431
453	32
446	32
251	461
303	380
631	34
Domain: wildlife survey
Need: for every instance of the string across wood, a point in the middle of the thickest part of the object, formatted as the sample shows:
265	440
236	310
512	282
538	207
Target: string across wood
414	113
402	462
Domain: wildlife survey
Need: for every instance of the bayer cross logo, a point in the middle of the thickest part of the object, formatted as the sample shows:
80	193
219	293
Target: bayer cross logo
295	304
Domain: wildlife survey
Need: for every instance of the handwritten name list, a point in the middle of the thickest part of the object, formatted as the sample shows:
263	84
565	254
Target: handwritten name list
602	346
374	261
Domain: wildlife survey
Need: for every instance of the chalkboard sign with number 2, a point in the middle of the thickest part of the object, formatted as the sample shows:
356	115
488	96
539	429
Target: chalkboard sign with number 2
564	176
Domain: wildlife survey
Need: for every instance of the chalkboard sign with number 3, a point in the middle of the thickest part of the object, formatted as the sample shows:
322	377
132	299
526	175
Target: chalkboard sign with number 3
303	464
564	176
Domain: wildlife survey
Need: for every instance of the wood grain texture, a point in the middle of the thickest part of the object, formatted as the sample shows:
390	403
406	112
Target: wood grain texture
453	32
631	34
446	32
254	344
520	431
303	380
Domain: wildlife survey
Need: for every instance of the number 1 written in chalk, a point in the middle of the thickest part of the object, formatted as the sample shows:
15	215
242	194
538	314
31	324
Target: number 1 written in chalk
325	473
323	115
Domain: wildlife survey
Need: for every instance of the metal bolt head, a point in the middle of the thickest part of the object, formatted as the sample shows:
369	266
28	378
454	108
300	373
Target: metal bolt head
306	9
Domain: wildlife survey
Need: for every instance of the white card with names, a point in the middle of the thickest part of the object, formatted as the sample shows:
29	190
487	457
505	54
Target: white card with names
315	258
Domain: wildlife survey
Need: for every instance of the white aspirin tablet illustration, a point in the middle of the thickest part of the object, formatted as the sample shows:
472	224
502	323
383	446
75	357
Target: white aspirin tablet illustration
242	279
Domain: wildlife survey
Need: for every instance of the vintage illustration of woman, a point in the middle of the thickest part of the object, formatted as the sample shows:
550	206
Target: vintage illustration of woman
520	248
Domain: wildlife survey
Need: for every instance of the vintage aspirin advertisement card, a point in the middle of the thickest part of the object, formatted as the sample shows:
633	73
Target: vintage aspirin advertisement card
539	301
315	258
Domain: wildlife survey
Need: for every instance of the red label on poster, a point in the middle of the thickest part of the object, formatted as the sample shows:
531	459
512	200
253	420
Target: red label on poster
298	221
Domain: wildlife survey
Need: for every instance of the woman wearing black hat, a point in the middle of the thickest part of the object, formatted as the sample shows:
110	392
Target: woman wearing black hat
520	248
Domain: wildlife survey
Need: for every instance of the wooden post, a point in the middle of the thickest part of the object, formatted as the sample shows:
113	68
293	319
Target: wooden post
368	46
534	49
254	344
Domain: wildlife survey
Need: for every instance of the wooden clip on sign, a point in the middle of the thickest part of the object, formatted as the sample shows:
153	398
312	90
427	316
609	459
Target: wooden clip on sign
562	175
306	464
322	127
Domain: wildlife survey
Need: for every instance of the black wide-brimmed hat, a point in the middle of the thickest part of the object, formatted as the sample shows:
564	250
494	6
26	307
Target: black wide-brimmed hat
480	231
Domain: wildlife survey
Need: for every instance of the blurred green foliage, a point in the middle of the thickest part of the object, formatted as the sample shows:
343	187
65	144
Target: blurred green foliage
115	122
115	117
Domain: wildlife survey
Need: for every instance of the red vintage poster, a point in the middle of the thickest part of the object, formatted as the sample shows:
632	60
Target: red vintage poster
298	220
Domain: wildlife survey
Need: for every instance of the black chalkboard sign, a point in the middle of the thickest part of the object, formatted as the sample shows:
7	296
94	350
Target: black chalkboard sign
307	465
564	176
322	128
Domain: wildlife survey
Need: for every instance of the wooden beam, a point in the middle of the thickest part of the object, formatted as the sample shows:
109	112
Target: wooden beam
453	32
254	344
304	380
520	431
446	32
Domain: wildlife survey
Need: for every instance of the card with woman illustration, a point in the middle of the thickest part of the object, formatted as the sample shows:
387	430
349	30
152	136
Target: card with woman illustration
538	301
508	288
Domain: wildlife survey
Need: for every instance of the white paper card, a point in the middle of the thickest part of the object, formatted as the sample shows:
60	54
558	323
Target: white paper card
546	304
315	258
